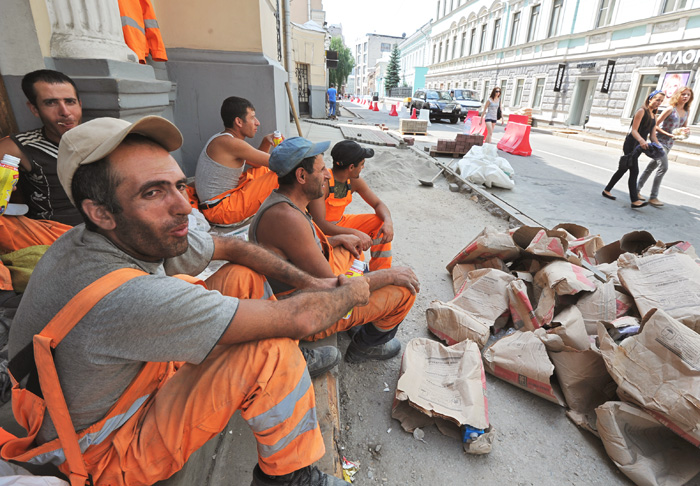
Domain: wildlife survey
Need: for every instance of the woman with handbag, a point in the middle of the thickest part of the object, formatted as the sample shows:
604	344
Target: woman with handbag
672	119
643	126
491	112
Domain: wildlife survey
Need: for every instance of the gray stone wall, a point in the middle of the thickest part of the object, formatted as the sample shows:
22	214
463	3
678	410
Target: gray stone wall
205	78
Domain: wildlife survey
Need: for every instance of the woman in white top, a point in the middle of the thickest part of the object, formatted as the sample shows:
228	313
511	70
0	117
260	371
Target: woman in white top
491	112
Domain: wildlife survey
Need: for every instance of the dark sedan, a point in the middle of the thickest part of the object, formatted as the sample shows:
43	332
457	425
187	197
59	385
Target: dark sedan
440	104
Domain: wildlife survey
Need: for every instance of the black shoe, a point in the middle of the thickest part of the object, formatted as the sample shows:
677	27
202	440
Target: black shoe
307	476
357	354
609	196
320	359
635	206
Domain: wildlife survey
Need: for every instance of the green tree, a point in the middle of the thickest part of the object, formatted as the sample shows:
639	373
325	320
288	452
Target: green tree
393	69
339	75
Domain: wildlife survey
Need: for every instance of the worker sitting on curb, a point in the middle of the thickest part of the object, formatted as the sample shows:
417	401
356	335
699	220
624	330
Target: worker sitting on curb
152	366
53	98
232	178
283	226
374	230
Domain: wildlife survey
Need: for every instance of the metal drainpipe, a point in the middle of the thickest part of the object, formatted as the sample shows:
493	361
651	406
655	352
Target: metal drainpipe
287	41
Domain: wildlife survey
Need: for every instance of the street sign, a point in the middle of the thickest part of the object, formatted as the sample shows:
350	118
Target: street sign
560	77
607	79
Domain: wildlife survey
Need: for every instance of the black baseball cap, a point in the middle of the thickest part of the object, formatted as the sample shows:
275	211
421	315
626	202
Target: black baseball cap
347	152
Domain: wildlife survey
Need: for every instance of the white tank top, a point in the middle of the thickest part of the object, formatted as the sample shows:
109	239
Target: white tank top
211	178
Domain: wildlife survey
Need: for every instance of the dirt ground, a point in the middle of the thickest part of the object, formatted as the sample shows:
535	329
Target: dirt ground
536	444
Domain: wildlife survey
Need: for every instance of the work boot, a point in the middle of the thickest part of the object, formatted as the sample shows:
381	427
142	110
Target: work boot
320	359
357	353
307	476
369	342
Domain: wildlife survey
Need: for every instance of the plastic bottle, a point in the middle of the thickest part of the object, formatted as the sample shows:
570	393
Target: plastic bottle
9	174
357	269
277	138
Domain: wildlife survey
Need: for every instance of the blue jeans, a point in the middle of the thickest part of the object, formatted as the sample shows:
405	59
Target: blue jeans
662	164
331	108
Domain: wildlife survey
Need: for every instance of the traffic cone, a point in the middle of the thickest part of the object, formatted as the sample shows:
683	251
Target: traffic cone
393	111
376	106
413	115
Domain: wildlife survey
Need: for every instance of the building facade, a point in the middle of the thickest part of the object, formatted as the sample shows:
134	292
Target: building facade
367	51
414	58
573	62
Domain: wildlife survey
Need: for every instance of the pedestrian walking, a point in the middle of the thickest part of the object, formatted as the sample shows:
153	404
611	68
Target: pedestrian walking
643	126
491	112
331	95
671	119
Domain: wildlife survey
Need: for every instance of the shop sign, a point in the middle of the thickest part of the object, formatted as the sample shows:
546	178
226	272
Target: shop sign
560	77
586	65
691	56
607	79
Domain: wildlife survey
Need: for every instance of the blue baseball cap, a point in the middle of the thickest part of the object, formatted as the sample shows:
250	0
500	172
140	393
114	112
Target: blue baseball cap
287	155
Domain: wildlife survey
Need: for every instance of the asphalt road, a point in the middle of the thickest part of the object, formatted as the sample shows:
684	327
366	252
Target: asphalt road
562	181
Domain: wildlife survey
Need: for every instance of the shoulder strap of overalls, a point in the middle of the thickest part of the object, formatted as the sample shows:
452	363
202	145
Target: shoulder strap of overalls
48	339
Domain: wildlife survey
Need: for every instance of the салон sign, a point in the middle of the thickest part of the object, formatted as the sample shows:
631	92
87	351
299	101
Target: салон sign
691	56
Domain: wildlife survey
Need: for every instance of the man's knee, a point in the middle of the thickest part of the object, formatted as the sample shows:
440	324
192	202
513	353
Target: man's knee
239	281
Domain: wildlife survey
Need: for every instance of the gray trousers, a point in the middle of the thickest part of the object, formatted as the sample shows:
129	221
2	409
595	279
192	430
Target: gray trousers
662	165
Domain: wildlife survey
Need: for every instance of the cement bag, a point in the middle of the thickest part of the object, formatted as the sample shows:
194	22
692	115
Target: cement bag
452	324
521	359
645	451
659	370
668	282
482	165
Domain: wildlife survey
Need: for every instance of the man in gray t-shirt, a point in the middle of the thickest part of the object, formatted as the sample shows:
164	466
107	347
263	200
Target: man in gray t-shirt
237	354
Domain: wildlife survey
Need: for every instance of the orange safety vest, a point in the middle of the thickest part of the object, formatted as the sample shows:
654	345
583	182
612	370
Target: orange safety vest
43	390
335	207
141	32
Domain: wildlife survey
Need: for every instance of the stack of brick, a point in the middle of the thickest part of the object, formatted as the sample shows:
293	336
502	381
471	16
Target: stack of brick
460	145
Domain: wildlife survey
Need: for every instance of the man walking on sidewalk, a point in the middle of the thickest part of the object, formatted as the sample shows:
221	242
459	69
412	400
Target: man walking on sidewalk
331	94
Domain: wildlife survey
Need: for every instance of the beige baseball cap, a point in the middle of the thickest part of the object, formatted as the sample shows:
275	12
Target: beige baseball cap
94	140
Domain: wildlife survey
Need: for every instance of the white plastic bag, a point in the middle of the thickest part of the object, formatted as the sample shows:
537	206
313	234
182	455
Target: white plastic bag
483	165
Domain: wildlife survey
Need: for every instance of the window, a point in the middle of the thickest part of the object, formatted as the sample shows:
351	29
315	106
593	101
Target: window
434	53
487	93
534	17
447	49
385	47
437	14
518	92
364	59
647	84
440	52
673	5
454	46
496	33
475	84
504	85
605	12
364	47
472	41
514	29
482	41
464	42
554	22
539	89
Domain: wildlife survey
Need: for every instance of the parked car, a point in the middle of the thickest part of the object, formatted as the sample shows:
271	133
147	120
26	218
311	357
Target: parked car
440	104
468	99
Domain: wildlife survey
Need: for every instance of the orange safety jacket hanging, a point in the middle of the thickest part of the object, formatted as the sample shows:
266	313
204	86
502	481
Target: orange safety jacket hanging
43	391
335	206
141	32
